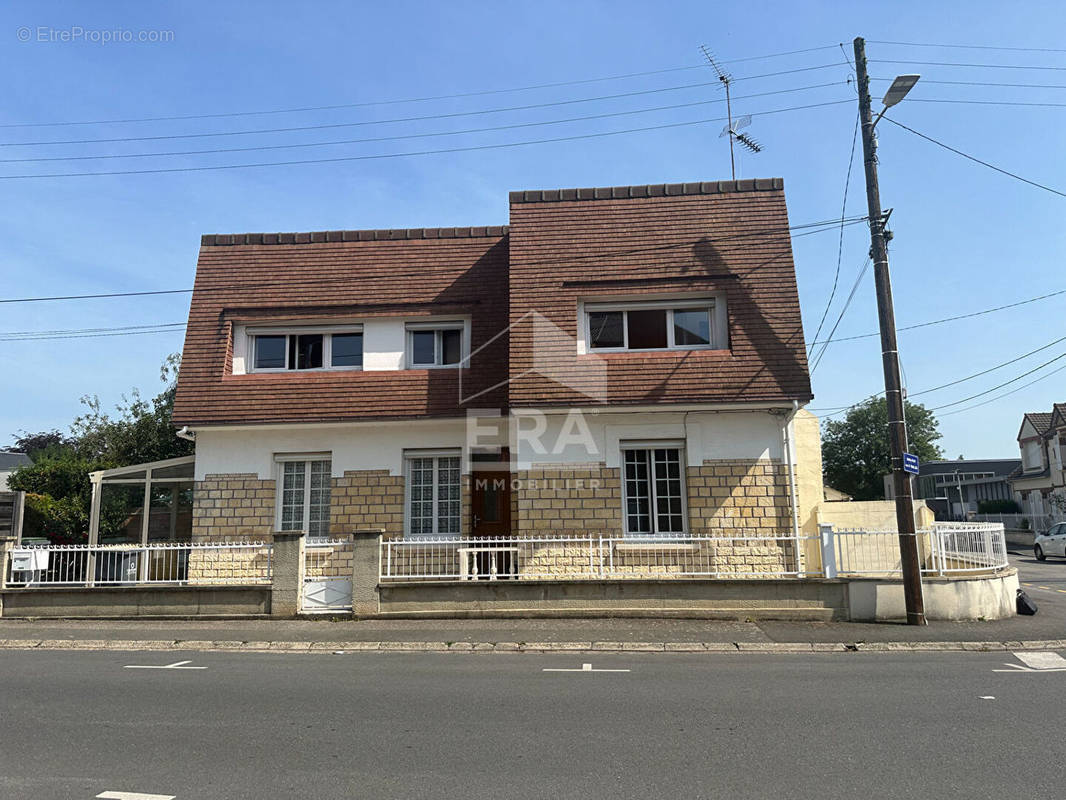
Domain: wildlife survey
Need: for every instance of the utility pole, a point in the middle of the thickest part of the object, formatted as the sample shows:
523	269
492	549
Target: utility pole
897	425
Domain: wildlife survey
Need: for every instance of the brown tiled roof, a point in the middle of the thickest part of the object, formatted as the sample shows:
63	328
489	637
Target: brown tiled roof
722	237
356	274
1040	420
727	237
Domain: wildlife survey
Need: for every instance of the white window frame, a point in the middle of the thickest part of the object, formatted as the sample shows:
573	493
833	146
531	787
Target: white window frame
408	456
327	346
666	444
437	327
712	304
279	483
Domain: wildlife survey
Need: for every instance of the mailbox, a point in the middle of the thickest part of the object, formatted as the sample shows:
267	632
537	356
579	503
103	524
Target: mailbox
29	560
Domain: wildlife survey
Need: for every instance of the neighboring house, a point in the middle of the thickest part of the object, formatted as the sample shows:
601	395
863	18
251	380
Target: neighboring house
9	462
955	488
1041	477
627	361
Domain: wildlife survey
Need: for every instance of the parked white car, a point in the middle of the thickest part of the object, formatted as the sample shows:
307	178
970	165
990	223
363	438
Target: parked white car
1052	543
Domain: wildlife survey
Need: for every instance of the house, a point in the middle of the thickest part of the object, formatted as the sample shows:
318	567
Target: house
9	462
954	489
626	361
1039	482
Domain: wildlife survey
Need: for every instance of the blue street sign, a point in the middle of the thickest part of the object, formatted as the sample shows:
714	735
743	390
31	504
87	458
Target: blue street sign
910	463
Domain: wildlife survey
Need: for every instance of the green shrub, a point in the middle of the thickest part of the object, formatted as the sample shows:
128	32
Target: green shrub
998	507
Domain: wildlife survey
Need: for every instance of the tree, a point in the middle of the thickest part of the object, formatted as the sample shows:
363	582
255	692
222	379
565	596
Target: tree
855	450
58	492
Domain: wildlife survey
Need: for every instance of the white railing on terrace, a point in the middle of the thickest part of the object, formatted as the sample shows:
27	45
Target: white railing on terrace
209	563
590	558
949	548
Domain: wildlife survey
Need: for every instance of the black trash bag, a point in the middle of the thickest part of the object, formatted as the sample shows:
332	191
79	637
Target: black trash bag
1025	603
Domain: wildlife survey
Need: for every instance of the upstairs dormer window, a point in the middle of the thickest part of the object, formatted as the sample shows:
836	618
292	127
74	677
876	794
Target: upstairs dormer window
658	325
306	349
434	344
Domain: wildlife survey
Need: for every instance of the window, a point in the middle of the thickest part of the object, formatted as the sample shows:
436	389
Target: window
432	345
653	489
302	350
433	494
661	325
303	502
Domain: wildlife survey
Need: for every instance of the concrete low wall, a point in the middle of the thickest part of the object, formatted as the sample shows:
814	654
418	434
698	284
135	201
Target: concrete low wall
700	599
136	601
978	597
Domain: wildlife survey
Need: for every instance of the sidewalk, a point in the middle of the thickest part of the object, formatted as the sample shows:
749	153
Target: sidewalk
527	634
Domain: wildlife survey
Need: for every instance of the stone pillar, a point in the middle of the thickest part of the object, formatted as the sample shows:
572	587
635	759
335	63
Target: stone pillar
366	566
287	583
7	543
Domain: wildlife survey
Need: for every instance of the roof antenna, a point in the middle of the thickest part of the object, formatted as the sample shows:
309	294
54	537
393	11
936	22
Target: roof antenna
733	130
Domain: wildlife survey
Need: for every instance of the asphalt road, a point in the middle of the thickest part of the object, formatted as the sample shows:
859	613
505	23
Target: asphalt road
76	724
1045	581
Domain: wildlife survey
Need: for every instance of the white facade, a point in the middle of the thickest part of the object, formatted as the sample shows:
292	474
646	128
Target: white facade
560	437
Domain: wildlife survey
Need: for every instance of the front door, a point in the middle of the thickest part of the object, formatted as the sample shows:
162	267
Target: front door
490	515
490	495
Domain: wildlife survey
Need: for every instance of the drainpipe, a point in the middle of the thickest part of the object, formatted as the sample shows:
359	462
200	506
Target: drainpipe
186	434
792	480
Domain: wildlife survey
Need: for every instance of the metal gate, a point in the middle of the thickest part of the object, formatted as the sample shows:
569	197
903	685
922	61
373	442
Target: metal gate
328	575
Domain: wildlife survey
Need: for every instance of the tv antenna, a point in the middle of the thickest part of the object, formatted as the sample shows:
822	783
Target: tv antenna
732	129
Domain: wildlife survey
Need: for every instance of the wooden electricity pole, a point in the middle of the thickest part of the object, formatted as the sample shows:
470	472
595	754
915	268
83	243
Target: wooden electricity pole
897	425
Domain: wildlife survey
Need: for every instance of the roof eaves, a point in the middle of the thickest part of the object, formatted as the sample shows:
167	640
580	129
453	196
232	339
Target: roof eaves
648	190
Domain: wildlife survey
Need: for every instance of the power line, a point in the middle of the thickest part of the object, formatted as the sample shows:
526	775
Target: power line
971	46
422	118
987	102
975	159
837	409
1005	394
807	228
840	243
91	335
986	83
71	331
1000	386
380	156
958	64
372	103
411	135
843	311
942	320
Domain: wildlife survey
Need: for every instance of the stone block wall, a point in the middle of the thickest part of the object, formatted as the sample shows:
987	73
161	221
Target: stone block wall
567	500
737	498
232	508
366	499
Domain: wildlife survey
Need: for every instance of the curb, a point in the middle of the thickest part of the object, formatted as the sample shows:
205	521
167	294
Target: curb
528	647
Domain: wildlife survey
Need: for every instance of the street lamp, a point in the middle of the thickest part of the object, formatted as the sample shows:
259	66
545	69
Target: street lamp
896	92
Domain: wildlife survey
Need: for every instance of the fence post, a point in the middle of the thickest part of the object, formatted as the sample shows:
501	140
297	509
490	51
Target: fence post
829	551
366	572
287	579
7	544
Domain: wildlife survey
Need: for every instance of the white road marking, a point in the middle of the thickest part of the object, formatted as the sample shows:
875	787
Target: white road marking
1040	661
175	665
987	697
134	796
584	668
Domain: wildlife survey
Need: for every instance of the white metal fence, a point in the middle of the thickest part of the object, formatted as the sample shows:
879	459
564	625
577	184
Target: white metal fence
156	563
590	557
1038	523
946	549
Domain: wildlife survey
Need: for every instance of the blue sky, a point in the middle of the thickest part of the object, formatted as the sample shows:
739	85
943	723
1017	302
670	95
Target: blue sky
966	238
